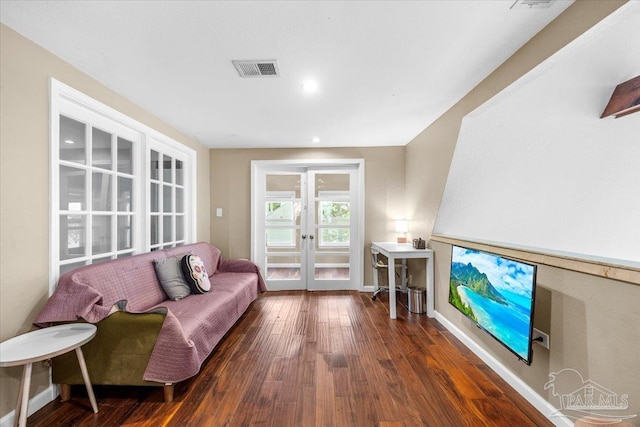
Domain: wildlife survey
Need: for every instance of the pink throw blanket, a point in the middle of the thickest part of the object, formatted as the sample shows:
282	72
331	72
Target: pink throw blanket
130	284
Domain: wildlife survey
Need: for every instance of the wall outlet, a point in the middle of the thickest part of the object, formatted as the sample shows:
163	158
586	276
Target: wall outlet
536	337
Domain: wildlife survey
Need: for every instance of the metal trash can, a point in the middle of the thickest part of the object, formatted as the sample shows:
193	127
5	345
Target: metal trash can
416	298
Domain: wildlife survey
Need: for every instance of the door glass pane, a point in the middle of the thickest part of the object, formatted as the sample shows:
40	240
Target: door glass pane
125	232
287	183
101	234
100	149
179	172
332	267
125	194
155	197
333	220
283	268
334	237
334	212
155	165
72	236
73	141
167	200
125	156
166	168
281	238
282	223
72	189
101	192
283	228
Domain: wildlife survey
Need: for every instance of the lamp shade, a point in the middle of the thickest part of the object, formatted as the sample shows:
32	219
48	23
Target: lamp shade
401	229
401	226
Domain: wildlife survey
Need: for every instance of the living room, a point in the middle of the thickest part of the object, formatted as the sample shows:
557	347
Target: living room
590	310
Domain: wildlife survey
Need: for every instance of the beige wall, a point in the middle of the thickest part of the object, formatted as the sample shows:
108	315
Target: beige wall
25	69
231	191
593	322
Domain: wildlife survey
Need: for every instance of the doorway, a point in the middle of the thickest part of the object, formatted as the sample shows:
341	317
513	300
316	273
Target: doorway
307	223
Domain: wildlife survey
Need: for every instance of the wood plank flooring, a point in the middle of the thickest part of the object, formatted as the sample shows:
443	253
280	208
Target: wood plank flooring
318	359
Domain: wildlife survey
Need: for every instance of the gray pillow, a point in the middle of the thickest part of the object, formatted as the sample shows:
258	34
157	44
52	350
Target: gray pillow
170	276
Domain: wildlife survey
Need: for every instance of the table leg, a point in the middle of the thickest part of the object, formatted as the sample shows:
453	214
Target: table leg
376	285
392	287
16	413
87	381
22	407
430	288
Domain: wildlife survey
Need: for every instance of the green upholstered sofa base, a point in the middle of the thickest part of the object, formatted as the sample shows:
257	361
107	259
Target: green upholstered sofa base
117	355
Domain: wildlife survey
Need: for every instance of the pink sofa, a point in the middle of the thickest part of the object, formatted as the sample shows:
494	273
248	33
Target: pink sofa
121	295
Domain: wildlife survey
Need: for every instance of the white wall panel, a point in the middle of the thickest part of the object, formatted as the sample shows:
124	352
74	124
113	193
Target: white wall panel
536	167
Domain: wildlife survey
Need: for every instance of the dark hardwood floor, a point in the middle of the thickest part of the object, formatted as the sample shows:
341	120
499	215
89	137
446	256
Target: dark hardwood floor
318	359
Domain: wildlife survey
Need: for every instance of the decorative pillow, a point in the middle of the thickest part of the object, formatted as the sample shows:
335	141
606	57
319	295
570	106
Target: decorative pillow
171	278
195	274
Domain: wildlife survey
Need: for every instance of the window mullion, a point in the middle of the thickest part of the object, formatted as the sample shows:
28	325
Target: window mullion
115	194
88	235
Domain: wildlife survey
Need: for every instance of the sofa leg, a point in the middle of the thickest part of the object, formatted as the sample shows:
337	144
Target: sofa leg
65	392
168	393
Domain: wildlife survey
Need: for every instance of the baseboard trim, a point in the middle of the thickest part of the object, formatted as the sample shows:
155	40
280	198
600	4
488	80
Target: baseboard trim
513	380
36	403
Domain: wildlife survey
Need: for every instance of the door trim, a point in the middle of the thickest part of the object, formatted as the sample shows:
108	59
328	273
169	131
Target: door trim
267	165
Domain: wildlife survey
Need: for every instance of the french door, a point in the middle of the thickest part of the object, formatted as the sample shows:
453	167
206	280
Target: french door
307	225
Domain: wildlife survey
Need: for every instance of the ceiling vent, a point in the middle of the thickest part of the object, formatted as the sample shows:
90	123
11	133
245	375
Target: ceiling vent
257	68
532	4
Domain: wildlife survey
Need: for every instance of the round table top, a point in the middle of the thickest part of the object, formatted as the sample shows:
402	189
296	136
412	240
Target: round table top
45	343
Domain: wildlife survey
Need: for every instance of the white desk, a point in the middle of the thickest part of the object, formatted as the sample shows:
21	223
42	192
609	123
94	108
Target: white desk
44	344
405	251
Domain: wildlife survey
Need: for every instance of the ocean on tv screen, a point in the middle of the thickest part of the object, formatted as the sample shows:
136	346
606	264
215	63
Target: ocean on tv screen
495	292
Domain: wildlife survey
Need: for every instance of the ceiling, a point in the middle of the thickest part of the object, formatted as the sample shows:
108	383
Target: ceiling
385	70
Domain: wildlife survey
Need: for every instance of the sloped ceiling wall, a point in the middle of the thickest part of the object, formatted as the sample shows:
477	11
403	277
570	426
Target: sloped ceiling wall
536	167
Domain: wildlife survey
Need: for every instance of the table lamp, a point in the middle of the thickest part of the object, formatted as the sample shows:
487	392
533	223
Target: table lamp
401	229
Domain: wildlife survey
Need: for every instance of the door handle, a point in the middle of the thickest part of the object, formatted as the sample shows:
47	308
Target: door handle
304	236
311	236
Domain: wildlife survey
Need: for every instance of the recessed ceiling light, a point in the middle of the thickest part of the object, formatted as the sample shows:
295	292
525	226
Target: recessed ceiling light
310	86
68	141
315	140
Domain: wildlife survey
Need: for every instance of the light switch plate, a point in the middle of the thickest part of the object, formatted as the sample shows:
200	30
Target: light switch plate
218	212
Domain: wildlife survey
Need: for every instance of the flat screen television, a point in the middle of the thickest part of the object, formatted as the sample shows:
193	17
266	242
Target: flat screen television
496	293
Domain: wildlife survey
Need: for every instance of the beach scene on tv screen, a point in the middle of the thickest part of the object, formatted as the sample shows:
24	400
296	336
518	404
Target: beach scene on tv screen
496	293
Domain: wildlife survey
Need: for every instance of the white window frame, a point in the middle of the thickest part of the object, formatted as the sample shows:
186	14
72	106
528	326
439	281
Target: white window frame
64	100
164	149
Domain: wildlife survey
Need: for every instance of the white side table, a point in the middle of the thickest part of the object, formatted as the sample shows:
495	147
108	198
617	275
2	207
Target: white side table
404	251
44	344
